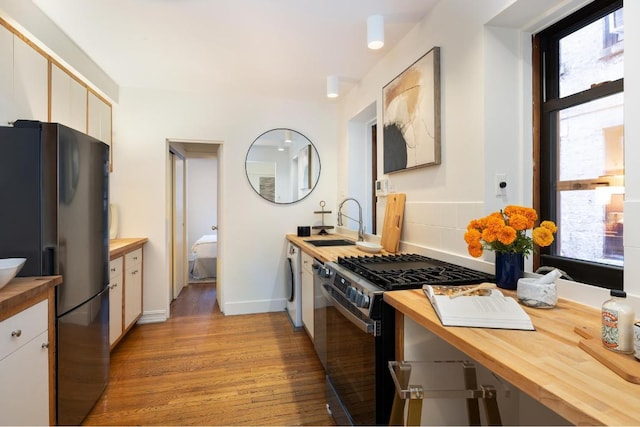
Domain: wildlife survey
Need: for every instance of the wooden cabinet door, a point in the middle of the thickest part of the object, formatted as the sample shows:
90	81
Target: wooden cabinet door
116	286
132	287
24	389
99	119
307	293
6	77
68	100
30	82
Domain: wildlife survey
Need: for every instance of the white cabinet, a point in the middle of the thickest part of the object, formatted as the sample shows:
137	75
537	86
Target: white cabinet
307	293
99	119
68	100
116	285
132	287
30	83
6	76
23	80
125	292
24	367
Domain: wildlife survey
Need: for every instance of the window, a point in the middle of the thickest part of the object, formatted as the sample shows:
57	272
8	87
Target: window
580	93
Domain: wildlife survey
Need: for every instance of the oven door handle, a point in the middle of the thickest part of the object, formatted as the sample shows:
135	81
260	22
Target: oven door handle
364	326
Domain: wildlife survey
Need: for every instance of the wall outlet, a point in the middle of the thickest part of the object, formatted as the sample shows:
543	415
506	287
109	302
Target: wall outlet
500	184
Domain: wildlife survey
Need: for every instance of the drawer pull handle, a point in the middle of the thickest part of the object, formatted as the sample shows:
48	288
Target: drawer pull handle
16	333
113	269
45	345
135	258
134	272
115	285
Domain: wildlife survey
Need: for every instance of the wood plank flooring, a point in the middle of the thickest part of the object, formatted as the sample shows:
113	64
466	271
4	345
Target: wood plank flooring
203	368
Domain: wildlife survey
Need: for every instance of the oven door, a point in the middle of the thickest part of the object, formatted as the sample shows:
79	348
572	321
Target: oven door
350	361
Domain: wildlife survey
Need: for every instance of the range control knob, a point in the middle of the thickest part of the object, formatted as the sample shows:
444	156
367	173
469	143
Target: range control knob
359	297
352	294
366	300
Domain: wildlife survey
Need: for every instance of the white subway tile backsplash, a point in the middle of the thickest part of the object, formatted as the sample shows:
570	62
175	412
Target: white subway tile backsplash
439	224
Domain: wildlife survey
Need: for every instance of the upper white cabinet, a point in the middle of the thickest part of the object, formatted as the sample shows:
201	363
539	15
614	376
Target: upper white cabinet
30	83
6	76
68	100
99	120
23	80
26	92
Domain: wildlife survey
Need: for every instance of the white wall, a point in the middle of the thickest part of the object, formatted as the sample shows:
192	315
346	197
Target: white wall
202	198
251	235
486	127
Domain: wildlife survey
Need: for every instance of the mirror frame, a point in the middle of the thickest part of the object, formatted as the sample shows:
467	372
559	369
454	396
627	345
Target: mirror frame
304	148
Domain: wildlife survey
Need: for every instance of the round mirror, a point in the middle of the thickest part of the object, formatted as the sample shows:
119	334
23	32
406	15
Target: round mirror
282	166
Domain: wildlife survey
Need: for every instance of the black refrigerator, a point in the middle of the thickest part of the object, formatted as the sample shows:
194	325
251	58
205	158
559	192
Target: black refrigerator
54	187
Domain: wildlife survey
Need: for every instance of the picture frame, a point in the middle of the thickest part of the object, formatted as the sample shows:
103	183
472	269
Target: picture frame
411	116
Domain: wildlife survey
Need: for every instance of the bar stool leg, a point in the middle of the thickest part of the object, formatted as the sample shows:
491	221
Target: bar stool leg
397	411
414	412
471	383
491	406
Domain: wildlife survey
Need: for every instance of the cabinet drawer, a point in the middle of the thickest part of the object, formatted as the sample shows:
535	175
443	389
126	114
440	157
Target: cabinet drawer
22	327
133	258
115	268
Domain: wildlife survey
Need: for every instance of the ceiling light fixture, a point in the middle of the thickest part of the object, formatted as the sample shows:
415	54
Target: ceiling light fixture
375	31
332	86
287	136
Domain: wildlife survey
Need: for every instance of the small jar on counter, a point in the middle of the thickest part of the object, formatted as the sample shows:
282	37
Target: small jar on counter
617	323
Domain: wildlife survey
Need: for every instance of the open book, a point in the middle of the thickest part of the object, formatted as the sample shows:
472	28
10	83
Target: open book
485	308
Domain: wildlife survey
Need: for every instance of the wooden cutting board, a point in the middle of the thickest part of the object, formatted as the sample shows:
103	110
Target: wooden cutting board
625	365
392	226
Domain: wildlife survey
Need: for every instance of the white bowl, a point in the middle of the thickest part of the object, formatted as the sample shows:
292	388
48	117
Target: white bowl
9	267
369	247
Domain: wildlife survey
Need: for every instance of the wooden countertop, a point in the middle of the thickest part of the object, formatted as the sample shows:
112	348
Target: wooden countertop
20	290
547	363
118	247
329	253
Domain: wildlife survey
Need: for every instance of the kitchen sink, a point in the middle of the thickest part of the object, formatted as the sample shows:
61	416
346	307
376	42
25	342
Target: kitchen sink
331	242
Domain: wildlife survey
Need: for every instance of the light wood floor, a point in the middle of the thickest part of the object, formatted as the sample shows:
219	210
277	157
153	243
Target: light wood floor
203	368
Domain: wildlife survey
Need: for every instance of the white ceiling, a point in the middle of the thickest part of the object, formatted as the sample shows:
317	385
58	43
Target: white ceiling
280	48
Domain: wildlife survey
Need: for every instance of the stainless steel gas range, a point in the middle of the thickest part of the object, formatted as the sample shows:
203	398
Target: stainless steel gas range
355	328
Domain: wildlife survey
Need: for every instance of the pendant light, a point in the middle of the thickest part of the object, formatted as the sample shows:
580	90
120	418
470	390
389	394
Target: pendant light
375	31
332	86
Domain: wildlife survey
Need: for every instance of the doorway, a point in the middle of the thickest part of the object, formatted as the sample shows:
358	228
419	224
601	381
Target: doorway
182	154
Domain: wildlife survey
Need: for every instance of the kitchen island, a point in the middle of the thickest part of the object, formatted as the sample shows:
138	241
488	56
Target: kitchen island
547	363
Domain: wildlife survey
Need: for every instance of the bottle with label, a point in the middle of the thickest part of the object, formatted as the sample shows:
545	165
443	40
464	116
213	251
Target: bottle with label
617	323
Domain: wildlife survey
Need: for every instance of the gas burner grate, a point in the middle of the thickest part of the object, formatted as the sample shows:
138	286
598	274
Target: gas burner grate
410	271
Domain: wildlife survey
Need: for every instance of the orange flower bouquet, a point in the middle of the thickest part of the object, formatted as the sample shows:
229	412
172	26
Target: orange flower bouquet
506	232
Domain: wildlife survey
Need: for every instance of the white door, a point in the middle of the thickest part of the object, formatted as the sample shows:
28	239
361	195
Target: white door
178	259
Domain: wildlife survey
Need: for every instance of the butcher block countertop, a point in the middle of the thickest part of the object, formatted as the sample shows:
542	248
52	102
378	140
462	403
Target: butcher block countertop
546	363
21	291
118	247
329	253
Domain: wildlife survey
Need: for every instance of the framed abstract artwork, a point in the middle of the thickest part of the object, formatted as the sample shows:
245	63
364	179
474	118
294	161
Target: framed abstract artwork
411	115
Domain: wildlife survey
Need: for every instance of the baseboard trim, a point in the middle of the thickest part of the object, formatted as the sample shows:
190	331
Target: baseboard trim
155	316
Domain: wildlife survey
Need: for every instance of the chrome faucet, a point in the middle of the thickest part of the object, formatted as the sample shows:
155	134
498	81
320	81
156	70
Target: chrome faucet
340	215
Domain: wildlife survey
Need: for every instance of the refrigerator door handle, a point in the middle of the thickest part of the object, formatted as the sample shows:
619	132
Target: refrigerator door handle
49	261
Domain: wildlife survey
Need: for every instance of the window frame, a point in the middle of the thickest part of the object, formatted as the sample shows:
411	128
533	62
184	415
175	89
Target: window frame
547	105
